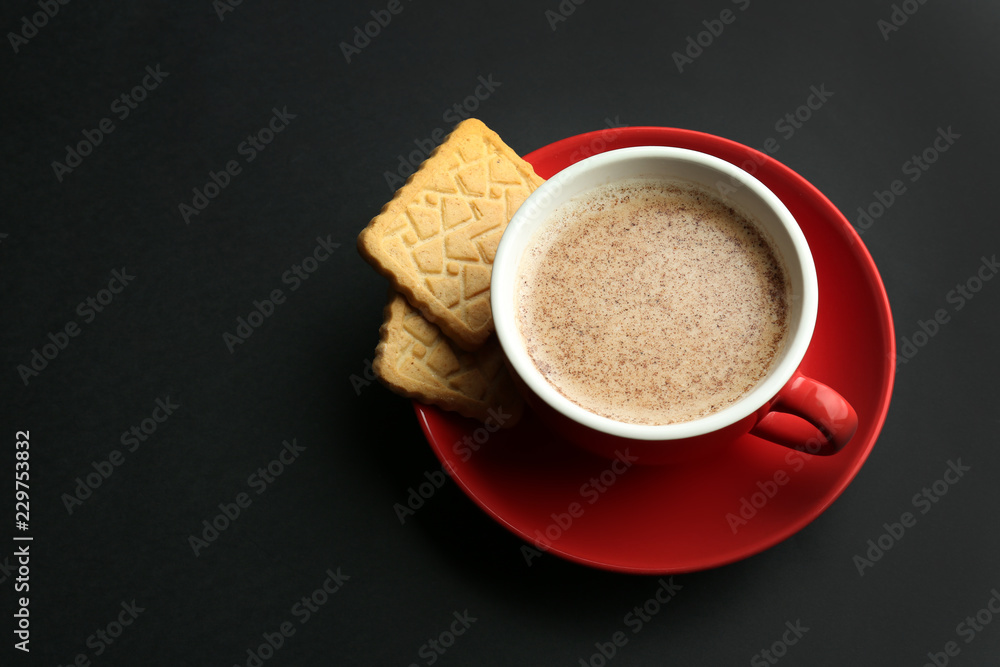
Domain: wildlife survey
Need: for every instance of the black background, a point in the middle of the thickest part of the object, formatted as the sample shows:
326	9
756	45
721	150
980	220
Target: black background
301	375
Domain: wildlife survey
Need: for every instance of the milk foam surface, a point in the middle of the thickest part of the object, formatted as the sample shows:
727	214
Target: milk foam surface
651	302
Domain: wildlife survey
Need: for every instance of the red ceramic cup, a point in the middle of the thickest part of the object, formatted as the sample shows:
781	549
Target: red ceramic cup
785	407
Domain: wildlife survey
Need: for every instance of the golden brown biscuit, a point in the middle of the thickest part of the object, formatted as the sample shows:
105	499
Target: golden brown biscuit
415	359
437	237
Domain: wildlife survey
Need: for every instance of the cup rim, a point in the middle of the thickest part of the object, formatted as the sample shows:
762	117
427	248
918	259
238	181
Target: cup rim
549	195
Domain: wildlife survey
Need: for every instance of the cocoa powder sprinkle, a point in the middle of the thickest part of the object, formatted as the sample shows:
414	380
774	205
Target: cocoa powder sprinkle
652	302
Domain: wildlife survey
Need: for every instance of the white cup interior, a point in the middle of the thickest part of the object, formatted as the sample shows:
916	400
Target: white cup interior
731	184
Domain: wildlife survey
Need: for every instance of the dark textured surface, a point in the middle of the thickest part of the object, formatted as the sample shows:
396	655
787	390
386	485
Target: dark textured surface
300	375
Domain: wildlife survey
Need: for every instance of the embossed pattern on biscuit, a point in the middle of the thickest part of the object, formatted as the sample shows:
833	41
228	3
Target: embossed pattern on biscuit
416	359
438	236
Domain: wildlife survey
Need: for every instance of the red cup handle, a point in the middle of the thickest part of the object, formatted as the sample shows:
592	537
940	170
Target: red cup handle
816	403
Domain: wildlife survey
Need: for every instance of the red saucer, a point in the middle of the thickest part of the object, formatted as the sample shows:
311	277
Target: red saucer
702	514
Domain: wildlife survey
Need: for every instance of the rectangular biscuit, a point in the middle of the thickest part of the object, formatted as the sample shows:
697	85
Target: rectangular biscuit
415	359
437	237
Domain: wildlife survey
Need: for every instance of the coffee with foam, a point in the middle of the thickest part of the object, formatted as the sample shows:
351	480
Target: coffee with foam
650	301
